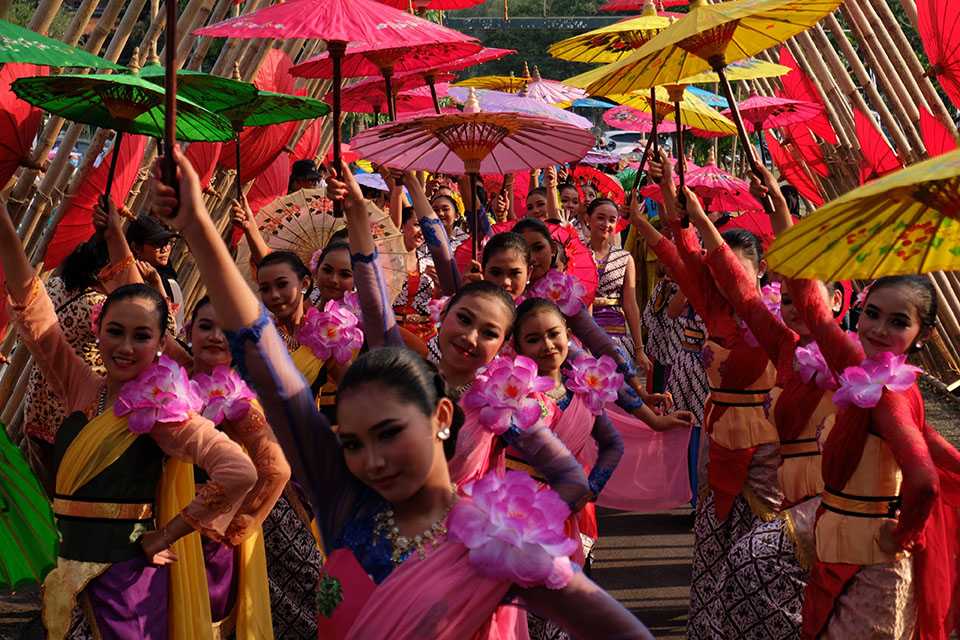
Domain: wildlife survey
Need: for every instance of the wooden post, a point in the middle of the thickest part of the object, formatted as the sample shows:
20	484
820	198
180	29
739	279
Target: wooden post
44	15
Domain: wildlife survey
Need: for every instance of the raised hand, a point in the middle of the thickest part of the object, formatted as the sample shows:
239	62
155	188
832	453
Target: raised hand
181	210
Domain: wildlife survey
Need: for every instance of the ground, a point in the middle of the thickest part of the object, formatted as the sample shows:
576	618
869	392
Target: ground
642	560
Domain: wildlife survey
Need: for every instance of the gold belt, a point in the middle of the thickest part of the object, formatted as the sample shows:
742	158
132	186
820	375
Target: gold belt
737	398
616	330
519	465
413	318
799	448
103	510
860	506
606	302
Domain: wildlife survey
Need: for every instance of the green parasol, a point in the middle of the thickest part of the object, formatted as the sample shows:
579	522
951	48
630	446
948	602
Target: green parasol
28	534
19	44
215	93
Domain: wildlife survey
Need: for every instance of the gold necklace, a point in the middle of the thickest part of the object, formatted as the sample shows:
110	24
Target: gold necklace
557	392
385	526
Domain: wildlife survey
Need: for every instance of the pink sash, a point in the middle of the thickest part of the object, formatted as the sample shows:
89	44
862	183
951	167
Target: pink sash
441	597
574	427
475	449
652	475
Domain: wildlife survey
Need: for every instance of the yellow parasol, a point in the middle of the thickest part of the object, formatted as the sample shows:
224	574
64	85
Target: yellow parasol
747	69
906	222
694	111
611	43
507	84
709	37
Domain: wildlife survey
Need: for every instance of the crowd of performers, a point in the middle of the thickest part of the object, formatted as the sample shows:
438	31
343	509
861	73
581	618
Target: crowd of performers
428	466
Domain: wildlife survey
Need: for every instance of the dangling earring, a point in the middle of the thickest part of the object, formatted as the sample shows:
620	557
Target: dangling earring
919	345
159	354
444	434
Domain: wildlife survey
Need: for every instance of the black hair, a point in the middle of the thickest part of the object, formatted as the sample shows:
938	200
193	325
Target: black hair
792	196
745	242
405	214
484	288
533	224
503	242
923	295
453	203
598	202
79	270
139	291
539	191
413	379
288	258
201	303
532	306
337	244
568	185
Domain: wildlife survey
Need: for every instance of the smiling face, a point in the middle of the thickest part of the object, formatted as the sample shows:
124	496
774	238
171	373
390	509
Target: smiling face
210	348
890	321
130	337
570	201
541	254
412	236
393	455
445	210
335	275
791	314
508	270
536	206
603	222
542	336
281	290
472	332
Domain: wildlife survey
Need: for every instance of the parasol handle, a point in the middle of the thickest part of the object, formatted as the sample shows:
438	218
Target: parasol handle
239	181
113	164
718	64
681	166
337	49
474	218
432	83
643	162
170	96
388	87
653	112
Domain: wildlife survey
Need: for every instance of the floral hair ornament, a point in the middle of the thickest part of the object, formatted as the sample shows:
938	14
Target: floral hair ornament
514	530
332	332
596	379
812	366
562	289
772	298
505	393
162	393
315	260
862	296
224	394
862	386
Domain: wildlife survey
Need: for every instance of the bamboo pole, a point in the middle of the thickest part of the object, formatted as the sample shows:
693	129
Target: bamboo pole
911	10
44	15
828	87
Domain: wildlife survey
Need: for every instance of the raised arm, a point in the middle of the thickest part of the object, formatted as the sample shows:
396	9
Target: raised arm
242	216
435	236
837	348
379	323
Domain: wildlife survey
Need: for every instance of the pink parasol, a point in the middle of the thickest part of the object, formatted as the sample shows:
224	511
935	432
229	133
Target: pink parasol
720	190
636	5
501	102
434	5
203	156
765	112
376	103
799	86
369	96
550	91
939	28
630	119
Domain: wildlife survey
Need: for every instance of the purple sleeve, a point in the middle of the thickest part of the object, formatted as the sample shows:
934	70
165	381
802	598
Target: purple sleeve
598	341
439	244
379	323
609	452
547	454
308	442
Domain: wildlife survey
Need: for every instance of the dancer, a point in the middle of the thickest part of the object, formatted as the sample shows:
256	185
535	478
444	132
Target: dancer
386	465
112	485
743	445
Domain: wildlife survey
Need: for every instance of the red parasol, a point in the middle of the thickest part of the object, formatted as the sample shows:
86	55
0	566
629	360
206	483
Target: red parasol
19	120
794	171
757	223
349	155
435	5
797	85
936	137
580	262
605	186
636	5
721	191
939	25
878	157
370	95
309	143
766	112
77	222
203	156
800	136
629	119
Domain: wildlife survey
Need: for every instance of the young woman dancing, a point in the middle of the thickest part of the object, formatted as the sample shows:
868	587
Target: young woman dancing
381	483
118	463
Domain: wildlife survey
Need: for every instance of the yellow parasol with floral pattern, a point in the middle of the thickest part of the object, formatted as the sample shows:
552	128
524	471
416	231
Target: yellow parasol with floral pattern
907	222
613	42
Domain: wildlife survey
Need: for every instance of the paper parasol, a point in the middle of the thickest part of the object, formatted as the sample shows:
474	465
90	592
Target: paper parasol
636	5
613	42
550	91
500	102
904	223
19	44
507	84
630	119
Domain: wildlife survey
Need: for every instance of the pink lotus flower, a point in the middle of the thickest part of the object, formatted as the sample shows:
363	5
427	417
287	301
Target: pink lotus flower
351	301
812	366
505	393
436	306
514	530
862	386
562	289
332	332
772	298
162	393
596	380
224	394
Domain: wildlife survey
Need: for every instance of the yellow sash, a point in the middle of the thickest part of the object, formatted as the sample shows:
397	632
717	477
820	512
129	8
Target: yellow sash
254	621
98	445
307	363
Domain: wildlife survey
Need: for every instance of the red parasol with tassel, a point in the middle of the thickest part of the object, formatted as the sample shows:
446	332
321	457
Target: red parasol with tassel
604	185
938	22
203	156
797	85
19	120
801	137
936	137
794	171
878	157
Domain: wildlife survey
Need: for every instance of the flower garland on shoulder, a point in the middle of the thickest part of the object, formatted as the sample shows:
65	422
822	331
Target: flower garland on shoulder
812	366
224	394
162	393
332	332
771	297
514	530
506	394
596	380
863	386
562	289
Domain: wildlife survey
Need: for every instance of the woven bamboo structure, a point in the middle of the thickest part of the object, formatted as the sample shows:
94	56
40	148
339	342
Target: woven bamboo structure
859	58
